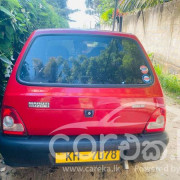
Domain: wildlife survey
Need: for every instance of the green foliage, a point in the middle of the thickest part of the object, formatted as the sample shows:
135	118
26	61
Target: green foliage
133	5
41	15
61	9
106	9
102	8
18	18
106	6
151	55
107	15
2	69
92	7
169	82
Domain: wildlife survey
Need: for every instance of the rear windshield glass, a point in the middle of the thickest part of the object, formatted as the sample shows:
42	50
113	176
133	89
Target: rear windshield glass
85	60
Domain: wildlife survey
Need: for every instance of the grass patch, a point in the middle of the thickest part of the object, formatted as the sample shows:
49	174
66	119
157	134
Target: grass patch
170	83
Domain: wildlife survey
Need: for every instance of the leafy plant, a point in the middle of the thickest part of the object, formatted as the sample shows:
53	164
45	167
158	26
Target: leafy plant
133	5
124	6
107	15
169	82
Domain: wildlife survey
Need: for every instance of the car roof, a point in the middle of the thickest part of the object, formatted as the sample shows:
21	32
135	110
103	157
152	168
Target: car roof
80	31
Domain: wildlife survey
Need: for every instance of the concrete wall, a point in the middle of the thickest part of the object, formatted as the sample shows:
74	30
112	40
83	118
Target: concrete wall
158	29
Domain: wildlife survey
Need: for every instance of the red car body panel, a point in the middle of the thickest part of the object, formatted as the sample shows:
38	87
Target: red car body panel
67	104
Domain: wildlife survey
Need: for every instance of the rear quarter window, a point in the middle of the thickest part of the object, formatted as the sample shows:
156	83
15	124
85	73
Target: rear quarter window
73	60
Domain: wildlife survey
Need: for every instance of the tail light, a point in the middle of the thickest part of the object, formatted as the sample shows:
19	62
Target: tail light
157	121
11	122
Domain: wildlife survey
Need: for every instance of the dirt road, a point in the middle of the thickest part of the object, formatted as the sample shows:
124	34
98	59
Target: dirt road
168	168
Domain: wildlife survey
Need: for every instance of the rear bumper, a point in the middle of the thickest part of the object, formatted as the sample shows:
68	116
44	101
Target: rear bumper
34	150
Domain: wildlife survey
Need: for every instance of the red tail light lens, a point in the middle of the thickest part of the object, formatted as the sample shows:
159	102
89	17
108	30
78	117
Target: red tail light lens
157	121
11	122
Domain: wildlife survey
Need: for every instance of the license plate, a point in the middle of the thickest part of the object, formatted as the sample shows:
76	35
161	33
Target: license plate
75	157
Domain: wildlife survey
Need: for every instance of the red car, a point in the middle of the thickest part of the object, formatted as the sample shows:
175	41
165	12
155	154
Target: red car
72	91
